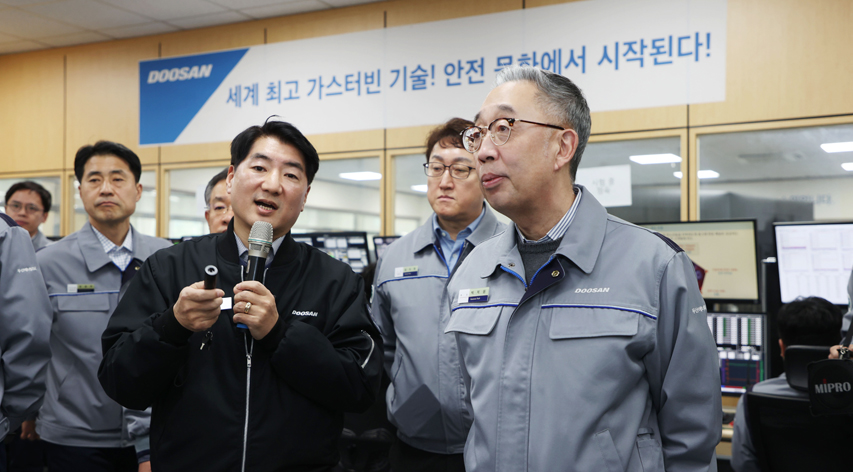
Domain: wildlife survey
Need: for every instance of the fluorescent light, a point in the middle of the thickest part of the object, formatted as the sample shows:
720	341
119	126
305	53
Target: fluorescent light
360	175
837	147
655	159
848	166
174	198
703	174
419	188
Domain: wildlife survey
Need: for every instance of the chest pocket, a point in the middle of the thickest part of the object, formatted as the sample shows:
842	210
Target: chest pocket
84	302
476	321
582	322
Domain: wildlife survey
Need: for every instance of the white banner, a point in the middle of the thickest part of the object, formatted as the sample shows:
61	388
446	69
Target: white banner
622	54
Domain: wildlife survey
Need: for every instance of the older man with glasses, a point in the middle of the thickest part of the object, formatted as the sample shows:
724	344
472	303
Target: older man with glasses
425	399
28	203
583	338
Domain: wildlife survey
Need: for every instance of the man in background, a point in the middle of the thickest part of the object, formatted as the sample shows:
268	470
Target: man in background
83	429
412	309
28	203
24	330
218	201
808	322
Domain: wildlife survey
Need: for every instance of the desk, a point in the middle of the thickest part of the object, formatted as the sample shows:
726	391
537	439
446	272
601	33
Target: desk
724	448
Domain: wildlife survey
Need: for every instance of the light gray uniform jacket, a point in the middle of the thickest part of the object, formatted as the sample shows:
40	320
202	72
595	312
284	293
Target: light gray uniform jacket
76	411
426	396
40	241
605	363
24	328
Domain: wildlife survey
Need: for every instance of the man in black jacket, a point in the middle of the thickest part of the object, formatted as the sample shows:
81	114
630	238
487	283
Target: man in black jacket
267	398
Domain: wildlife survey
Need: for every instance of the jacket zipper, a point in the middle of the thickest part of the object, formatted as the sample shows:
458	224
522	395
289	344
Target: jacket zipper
248	390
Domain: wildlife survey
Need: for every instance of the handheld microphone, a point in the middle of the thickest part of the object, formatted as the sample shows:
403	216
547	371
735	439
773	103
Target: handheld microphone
260	244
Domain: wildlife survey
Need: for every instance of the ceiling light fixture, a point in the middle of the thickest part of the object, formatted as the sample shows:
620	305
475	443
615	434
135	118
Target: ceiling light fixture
655	159
703	174
419	188
360	176
848	166
837	147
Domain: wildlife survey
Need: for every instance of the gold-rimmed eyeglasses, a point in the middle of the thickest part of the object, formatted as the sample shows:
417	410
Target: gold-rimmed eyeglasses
457	171
499	130
28	208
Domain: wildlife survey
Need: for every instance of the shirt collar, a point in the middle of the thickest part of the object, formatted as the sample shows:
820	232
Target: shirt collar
440	233
109	245
242	249
559	230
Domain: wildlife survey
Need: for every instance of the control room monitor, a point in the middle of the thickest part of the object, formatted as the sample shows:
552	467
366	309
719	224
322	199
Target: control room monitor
346	246
742	348
723	254
815	259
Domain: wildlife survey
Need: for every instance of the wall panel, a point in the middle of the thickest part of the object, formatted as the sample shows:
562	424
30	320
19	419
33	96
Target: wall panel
32	111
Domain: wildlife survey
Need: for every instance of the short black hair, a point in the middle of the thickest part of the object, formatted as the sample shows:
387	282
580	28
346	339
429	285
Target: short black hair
811	321
447	135
284	132
106	148
46	198
219	177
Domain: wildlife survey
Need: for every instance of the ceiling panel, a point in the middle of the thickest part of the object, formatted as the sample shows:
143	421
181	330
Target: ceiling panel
87	14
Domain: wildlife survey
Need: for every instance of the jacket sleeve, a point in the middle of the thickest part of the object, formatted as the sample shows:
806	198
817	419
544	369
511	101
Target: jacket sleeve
138	364
25	315
382	314
339	368
683	373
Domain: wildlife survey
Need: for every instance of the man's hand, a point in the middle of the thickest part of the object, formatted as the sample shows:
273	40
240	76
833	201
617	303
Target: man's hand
197	309
262	313
28	431
833	351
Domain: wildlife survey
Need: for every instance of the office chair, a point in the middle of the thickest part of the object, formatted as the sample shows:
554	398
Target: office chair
787	438
797	359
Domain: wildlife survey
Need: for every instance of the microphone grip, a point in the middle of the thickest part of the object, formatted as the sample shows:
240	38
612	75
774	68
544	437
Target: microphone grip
255	269
210	273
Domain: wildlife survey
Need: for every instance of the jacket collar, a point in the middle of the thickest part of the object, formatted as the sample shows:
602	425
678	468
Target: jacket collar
424	236
581	243
93	251
227	247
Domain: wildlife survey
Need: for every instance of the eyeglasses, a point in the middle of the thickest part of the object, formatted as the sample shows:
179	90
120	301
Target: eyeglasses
28	208
457	171
499	130
220	209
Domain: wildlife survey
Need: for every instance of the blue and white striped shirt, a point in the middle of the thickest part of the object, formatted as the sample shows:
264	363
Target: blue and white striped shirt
559	230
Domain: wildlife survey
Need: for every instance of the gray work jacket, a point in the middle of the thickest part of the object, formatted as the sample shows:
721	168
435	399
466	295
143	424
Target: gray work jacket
24	328
604	363
76	411
426	396
40	241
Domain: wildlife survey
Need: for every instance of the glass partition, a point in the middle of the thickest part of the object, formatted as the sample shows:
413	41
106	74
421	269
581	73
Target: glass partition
638	180
52	185
186	200
344	197
795	174
411	207
144	219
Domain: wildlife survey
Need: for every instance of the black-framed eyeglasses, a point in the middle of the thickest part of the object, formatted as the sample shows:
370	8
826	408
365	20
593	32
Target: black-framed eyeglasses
457	171
499	130
28	208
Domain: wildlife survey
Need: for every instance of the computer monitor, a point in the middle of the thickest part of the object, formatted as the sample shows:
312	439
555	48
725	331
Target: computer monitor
382	242
815	259
345	246
724	256
742	347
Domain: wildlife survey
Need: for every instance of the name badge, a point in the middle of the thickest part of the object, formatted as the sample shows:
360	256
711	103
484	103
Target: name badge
473	295
81	288
409	271
226	304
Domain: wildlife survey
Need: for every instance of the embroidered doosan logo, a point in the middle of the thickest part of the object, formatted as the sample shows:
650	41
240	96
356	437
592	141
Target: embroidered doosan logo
27	269
700	309
304	313
592	290
184	73
832	387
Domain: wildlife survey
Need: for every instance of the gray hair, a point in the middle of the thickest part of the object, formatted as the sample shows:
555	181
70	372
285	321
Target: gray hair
560	98
219	177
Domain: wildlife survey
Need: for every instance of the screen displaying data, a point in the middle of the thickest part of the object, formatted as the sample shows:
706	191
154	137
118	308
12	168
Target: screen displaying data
741	341
814	260
723	254
349	247
382	242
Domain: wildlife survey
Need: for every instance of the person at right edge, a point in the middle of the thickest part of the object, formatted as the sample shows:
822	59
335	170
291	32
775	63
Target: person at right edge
583	339
411	307
270	397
